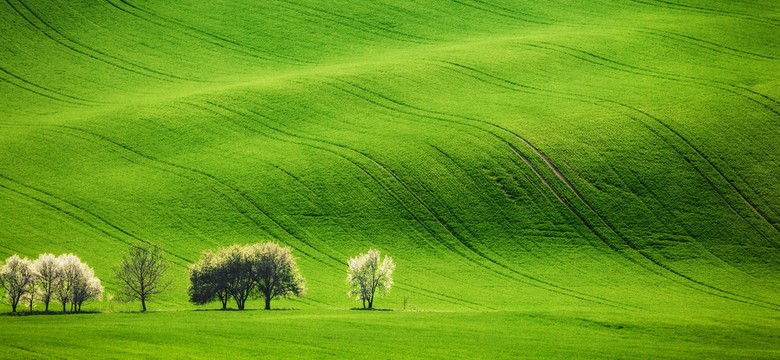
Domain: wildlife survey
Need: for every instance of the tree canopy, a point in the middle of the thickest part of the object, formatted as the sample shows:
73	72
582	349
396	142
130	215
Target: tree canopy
367	275
267	271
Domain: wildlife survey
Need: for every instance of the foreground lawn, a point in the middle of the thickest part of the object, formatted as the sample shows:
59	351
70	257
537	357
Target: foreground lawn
386	334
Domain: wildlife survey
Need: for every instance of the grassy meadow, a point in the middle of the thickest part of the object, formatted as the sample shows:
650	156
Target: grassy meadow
554	179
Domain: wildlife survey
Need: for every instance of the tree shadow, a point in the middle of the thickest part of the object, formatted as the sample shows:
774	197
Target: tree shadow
49	313
245	310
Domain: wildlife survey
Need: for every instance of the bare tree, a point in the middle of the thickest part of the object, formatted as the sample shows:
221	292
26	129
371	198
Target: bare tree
275	272
17	277
141	274
367	274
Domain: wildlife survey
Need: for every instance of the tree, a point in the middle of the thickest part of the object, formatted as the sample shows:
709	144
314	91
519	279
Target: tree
30	295
85	287
17	276
237	271
49	277
70	270
275	272
141	274
77	284
366	275
208	281
243	272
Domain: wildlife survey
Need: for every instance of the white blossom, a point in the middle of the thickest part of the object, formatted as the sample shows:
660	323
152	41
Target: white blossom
367	275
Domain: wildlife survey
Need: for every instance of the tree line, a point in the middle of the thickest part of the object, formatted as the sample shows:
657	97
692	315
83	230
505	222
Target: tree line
65	279
265	271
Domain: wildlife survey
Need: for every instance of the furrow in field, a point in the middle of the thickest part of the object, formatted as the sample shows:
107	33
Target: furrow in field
493	80
76	212
39	93
709	11
302	142
292	138
237	199
705	44
326	16
598	101
454	233
44	91
716	291
758	212
34	20
541	190
326	147
648	256
501	11
619	66
173	168
221	41
623	239
438	116
701	173
468	252
297	180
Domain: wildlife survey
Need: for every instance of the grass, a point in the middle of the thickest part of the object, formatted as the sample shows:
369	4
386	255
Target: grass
537	170
338	333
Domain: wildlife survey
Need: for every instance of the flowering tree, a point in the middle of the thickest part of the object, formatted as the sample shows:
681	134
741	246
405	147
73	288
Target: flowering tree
49	277
17	277
275	272
242	272
64	278
367	275
208	280
69	265
86	287
78	283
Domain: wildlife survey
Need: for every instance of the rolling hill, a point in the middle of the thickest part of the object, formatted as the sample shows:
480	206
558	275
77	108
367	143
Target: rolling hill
606	167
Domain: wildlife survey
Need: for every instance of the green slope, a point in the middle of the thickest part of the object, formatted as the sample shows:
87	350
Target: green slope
521	156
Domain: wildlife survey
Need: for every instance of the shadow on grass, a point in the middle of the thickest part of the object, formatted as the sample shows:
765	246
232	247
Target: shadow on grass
374	309
49	313
245	310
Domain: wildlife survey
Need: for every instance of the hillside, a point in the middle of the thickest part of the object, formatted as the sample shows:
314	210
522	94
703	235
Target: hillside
600	158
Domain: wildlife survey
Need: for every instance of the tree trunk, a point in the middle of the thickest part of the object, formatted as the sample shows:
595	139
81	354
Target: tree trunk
13	305
64	303
224	303
47	305
143	305
268	303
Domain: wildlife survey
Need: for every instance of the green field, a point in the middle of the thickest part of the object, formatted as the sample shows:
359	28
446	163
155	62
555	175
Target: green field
553	179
